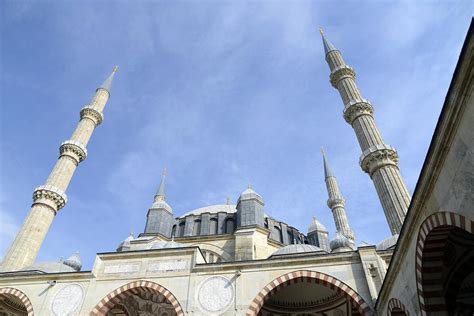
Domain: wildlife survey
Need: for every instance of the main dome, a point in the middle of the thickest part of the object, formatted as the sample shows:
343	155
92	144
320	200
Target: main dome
213	209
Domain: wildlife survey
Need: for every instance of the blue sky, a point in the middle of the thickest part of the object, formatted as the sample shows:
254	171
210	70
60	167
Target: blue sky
222	94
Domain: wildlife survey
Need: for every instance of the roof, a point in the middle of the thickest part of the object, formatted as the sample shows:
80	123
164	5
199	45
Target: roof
316	226
296	248
217	208
387	243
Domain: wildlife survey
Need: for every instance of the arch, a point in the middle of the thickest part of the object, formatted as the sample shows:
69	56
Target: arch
197	227
437	226
310	276
229	226
114	297
395	307
19	295
213	226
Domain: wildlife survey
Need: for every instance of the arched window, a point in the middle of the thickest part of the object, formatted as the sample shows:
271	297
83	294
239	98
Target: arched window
197	227
229	226
290	237
173	231
277	234
211	256
181	229
213	226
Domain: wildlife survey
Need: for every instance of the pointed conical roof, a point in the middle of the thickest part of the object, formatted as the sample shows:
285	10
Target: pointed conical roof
328	46
249	193
159	201
316	226
107	85
327	169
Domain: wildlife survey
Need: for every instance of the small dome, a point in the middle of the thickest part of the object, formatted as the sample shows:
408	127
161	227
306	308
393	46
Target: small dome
341	243
74	262
316	226
387	243
165	245
50	267
296	248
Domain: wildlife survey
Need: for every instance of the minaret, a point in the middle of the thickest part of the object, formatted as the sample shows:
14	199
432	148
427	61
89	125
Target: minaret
160	215
379	160
336	202
49	198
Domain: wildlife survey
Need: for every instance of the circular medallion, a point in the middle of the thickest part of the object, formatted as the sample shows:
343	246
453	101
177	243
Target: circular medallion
215	295
67	300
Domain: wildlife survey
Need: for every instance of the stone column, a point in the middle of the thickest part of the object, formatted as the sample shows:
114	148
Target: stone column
379	160
49	198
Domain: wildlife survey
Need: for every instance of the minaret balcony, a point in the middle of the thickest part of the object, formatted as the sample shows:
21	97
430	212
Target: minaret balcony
50	196
340	73
378	156
92	114
74	150
356	108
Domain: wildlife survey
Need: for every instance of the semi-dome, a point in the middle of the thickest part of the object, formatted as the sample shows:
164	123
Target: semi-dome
341	243
296	248
316	226
387	243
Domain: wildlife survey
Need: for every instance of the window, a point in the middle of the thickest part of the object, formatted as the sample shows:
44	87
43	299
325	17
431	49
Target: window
229	226
277	234
181	229
197	227
213	226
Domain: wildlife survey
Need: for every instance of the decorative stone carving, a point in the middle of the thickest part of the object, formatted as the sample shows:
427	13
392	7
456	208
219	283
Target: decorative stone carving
50	196
215	295
73	149
341	72
356	108
378	156
92	114
67	300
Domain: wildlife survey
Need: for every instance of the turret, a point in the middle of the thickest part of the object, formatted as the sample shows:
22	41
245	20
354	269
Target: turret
335	201
50	197
250	209
378	160
318	235
160	215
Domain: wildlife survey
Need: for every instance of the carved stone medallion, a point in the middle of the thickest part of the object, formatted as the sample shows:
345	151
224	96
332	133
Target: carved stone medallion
215	295
67	300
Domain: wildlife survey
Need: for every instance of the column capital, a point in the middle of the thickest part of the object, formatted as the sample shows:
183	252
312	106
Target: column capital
92	114
378	156
340	73
336	202
50	196
74	150
355	108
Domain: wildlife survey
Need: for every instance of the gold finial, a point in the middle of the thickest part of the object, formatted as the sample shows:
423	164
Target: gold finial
321	31
249	186
115	69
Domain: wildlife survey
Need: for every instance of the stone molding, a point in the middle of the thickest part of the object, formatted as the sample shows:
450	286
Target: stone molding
312	277
92	114
340	73
356	108
73	149
21	296
50	196
378	156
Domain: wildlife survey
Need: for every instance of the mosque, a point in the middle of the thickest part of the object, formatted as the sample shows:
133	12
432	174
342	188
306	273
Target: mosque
236	259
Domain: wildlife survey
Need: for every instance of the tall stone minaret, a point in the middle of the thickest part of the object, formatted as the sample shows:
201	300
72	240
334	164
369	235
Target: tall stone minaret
379	160
160	215
336	202
49	198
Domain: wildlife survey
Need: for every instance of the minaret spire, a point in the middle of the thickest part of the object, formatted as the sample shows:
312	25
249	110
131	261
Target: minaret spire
336	202
107	84
328	46
378	159
160	194
49	198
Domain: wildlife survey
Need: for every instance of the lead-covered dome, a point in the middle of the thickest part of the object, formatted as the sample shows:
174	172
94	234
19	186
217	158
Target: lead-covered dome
165	245
341	243
295	249
387	243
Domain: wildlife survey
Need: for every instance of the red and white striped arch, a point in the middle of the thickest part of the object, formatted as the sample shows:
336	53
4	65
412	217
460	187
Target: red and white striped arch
395	307
19	295
312	277
432	238
134	287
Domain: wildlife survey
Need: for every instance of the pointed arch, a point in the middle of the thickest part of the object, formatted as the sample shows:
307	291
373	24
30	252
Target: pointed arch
308	276
118	294
395	307
434	233
19	295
